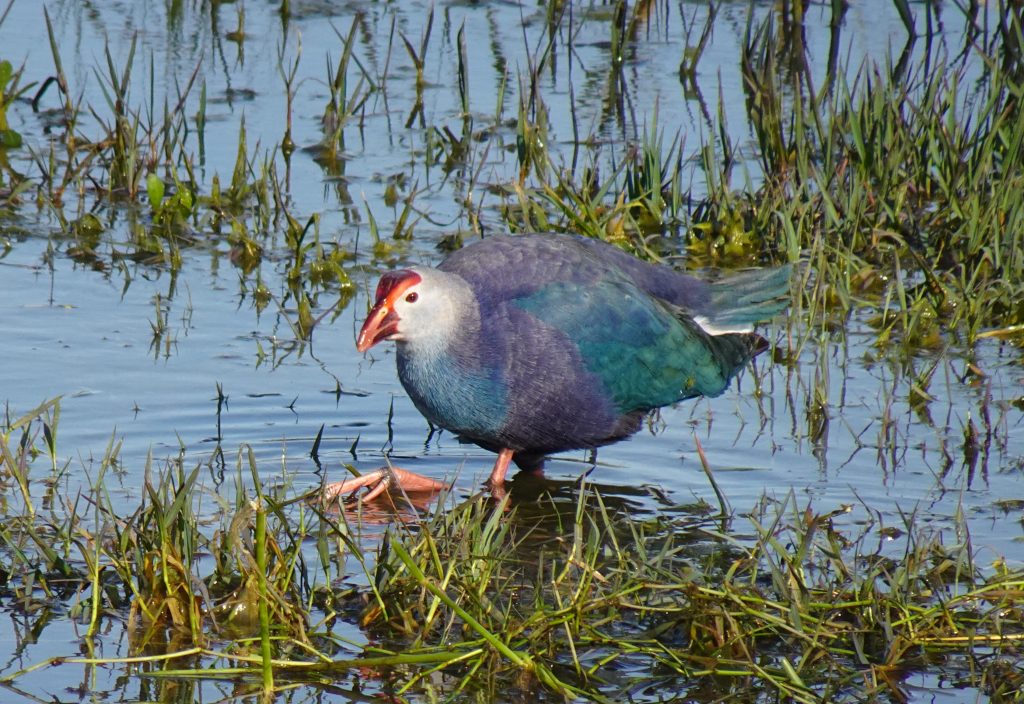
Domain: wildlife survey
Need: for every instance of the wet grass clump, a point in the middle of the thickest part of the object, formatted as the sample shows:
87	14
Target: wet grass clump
898	183
571	596
899	180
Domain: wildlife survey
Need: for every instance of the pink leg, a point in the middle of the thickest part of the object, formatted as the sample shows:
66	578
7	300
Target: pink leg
380	480
497	478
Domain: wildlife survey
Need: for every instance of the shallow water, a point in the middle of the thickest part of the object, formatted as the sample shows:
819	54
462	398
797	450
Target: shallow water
70	330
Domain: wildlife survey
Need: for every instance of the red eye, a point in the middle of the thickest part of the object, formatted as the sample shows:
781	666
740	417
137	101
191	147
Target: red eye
412	297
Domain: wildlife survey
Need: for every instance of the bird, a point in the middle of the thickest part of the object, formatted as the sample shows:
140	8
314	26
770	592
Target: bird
533	344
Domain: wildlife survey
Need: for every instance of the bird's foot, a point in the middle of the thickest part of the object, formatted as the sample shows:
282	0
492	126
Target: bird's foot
379	481
499	490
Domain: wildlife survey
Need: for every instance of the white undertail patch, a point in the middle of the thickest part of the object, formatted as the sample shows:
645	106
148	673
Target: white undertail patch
708	327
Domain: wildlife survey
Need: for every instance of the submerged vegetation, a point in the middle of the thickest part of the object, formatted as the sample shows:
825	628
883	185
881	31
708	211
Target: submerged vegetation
898	185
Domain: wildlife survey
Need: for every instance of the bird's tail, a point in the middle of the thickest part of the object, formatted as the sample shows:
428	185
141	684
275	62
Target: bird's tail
740	300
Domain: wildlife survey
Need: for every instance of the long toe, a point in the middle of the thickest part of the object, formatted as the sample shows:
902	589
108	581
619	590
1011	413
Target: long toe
385	479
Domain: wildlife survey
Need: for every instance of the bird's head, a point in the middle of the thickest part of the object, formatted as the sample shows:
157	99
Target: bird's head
420	305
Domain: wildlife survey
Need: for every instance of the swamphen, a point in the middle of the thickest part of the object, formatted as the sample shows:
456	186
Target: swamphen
534	344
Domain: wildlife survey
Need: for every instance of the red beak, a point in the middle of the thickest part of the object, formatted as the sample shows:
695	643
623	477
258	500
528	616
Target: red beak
380	324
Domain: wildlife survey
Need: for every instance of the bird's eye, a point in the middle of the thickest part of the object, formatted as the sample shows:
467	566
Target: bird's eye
412	297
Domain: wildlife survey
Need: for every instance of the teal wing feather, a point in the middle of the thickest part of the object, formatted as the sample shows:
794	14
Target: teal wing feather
646	353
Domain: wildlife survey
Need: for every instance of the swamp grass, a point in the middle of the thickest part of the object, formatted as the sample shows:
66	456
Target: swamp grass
572	595
897	185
